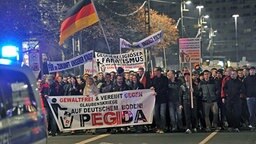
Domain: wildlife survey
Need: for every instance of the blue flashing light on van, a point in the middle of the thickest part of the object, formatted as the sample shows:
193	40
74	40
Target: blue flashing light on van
22	120
10	51
9	54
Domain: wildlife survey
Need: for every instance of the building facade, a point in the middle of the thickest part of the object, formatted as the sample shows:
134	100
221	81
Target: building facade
220	12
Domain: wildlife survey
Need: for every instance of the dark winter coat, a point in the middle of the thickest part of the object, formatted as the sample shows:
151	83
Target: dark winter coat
250	86
233	89
208	90
173	90
161	87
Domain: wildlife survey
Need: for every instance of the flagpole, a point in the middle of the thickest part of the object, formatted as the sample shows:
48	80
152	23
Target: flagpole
191	86
105	37
92	67
120	47
146	59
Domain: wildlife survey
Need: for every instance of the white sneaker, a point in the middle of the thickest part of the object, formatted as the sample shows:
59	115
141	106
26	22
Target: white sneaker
195	130
188	131
225	124
251	127
236	130
161	132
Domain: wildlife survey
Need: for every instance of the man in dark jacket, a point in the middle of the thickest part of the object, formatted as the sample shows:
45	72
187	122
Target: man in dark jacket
175	112
233	89
56	87
107	85
48	89
244	107
119	84
209	89
187	96
222	109
160	85
250	87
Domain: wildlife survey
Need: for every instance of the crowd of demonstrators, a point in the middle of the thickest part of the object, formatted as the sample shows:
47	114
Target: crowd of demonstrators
188	101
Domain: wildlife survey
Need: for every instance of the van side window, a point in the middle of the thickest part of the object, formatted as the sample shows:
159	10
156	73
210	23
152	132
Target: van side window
17	93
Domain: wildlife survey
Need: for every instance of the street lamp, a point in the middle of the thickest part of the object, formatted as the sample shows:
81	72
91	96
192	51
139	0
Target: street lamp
235	16
183	9
200	7
201	19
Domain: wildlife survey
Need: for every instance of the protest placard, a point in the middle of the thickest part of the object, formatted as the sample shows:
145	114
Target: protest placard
130	61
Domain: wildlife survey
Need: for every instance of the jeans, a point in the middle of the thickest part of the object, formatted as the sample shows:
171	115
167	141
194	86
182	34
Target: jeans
175	114
251	102
210	106
160	115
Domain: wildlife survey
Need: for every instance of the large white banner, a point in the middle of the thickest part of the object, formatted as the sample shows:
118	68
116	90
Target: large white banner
130	61
55	66
145	43
104	110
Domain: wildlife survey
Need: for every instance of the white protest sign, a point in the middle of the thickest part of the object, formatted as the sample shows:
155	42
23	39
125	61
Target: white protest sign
190	50
130	61
90	67
34	62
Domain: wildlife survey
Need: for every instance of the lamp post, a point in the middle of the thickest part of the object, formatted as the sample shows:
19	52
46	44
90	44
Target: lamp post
235	16
212	34
183	9
200	24
201	18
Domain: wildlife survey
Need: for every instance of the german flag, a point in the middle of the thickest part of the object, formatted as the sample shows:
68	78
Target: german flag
80	16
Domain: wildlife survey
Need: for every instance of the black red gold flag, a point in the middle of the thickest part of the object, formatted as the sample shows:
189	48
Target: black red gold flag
80	16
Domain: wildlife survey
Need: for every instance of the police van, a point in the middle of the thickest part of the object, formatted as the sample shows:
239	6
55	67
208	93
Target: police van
21	117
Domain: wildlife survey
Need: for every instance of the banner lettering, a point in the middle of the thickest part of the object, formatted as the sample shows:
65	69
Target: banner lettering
129	61
145	43
55	66
104	110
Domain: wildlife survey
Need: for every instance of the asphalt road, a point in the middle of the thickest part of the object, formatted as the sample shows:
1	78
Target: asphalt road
217	137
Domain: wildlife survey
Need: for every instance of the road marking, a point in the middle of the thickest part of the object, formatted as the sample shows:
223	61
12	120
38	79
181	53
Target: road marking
105	143
93	139
209	137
